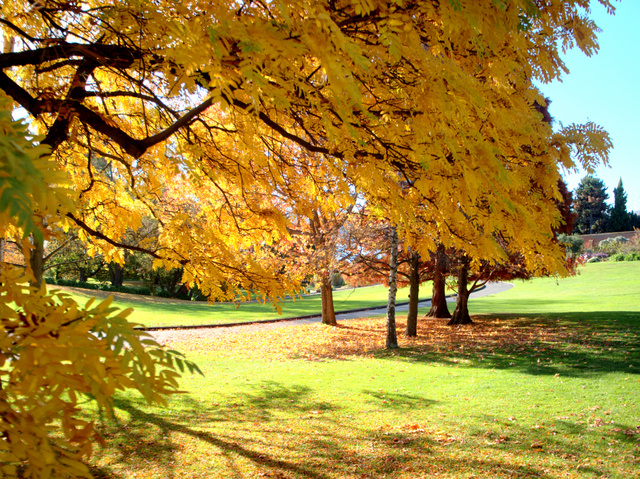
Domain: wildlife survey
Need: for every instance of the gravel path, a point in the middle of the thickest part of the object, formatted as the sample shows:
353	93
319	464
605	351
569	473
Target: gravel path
177	334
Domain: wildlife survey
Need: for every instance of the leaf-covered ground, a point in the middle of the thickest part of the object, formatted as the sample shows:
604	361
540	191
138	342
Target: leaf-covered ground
510	396
548	394
489	338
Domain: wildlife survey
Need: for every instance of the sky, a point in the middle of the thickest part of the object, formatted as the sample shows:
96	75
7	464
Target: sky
605	89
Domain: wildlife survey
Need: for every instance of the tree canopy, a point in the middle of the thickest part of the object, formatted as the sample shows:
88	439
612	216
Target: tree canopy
619	218
426	109
590	206
387	93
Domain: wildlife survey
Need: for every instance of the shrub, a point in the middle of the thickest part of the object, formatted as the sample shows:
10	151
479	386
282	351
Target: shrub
594	257
193	295
337	281
573	244
141	290
635	256
613	245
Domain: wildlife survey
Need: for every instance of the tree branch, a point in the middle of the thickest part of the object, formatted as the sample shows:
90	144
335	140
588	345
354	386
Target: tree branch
113	56
59	248
99	235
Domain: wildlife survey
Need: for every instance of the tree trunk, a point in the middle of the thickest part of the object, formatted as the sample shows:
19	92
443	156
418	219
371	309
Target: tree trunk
116	273
439	307
36	262
414	293
82	273
461	313
392	337
326	291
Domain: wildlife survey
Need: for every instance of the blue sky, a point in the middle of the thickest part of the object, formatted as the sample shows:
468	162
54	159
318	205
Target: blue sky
605	89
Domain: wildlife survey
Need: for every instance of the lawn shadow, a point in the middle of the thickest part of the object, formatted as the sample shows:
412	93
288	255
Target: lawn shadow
338	447
188	424
392	400
564	344
262	403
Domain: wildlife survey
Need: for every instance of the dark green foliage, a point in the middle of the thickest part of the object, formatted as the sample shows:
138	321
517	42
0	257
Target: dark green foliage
625	257
572	243
590	206
337	281
141	290
619	220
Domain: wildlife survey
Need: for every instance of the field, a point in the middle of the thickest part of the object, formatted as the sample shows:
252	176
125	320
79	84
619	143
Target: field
150	311
546	383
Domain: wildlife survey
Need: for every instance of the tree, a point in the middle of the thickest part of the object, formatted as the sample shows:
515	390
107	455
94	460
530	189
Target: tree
53	352
392	338
590	206
369	241
461	312
573	244
71	258
619	219
439	308
364	89
411	329
419	105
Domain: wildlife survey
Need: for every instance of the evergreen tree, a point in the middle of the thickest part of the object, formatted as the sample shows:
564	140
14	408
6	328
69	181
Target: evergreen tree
590	206
619	220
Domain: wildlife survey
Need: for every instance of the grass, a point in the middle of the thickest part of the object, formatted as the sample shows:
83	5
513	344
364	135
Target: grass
551	392
151	311
606	286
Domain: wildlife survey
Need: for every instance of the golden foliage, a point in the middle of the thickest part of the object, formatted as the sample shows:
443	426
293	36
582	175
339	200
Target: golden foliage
212	117
54	354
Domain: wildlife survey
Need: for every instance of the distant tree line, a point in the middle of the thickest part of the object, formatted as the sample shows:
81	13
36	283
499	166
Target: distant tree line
594	215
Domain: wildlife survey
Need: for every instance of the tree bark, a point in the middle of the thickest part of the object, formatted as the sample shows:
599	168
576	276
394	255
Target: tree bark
461	313
392	337
116	274
439	307
326	291
36	262
414	293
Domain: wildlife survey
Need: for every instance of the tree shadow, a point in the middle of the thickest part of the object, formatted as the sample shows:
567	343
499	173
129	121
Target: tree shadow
400	401
185	423
346	450
263	403
568	344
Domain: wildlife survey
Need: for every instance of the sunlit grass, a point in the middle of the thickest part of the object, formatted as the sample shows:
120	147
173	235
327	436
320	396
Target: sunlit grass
161	312
550	393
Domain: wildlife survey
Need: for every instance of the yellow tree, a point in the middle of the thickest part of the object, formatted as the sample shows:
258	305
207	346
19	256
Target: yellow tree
380	87
416	103
53	352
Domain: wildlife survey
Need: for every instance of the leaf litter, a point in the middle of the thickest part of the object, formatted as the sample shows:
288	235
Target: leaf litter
362	337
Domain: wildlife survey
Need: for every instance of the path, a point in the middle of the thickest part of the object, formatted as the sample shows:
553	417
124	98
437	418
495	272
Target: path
488	290
176	334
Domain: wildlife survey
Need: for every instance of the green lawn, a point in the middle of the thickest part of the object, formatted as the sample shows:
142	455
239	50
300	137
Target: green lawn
547	388
150	312
598	287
